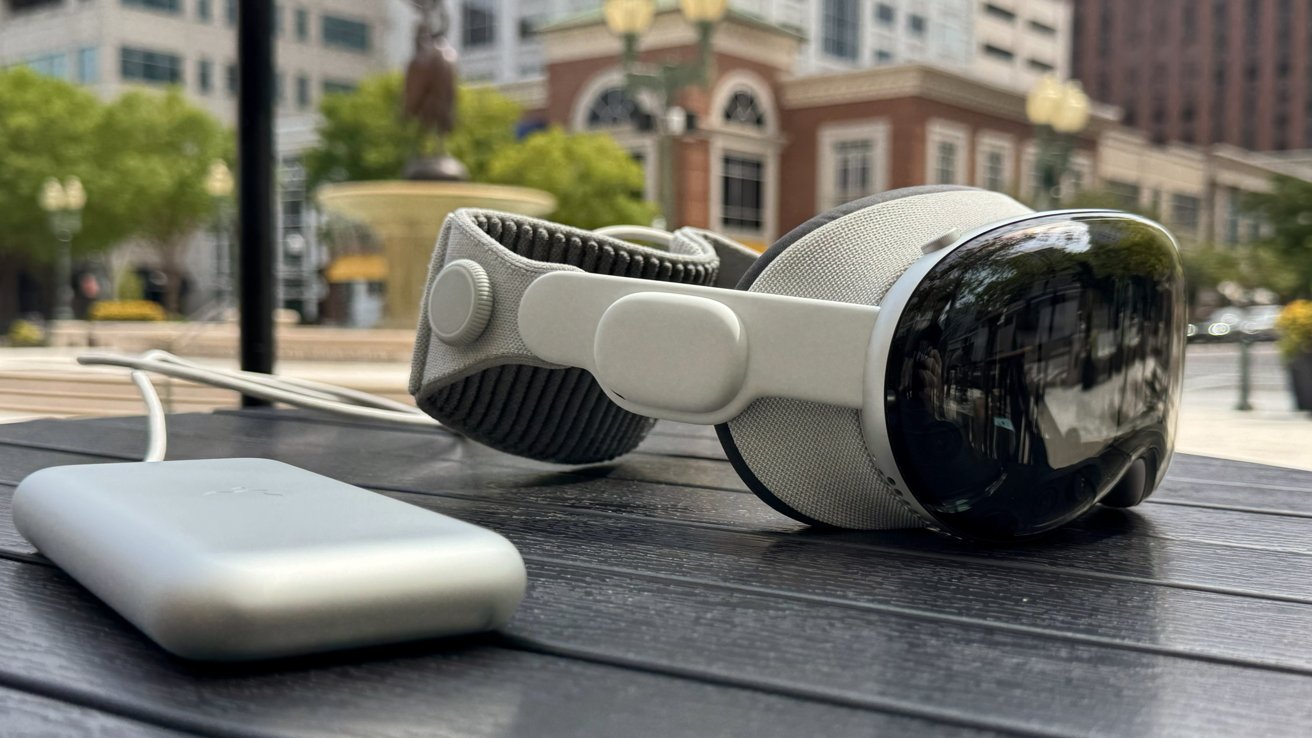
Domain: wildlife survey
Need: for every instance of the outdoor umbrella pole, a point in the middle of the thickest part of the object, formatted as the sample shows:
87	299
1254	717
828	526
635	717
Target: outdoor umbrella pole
255	161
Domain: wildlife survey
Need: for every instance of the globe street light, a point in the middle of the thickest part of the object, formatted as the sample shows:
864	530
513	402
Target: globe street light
218	185
629	19
1058	111
63	205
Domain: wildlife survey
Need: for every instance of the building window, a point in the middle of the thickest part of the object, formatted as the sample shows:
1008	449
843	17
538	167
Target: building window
337	87
17	7
995	168
744	110
997	52
233	83
88	65
302	24
344	33
158	6
853	170
302	92
840	28
1047	30
946	156
204	10
479	26
151	67
1126	194
612	107
883	56
885	14
1040	66
999	12
230	10
1184	211
51	65
742	190
204	76
916	24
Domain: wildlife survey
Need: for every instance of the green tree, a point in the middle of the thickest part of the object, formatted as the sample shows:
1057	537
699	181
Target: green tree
595	182
153	177
364	136
1287	208
46	129
142	159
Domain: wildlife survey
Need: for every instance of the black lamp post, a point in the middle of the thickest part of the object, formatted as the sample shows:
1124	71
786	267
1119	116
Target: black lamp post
1058	111
63	204
629	19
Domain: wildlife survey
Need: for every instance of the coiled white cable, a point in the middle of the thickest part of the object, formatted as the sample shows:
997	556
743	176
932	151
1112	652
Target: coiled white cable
291	391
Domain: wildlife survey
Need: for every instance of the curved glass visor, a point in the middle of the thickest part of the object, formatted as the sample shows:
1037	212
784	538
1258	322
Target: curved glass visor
1036	371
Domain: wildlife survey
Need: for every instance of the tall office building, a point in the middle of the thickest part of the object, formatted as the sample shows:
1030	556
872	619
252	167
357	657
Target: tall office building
1006	42
113	45
1202	71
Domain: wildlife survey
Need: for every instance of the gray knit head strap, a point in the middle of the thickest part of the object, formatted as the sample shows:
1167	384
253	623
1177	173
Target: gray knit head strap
479	378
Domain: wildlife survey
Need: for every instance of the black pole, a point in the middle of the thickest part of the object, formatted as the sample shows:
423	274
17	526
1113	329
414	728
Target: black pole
255	185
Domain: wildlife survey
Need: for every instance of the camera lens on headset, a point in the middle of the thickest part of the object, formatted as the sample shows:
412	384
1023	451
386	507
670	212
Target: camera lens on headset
1036	370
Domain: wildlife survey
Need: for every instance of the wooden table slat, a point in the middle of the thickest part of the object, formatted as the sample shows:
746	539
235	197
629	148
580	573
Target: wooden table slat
659	584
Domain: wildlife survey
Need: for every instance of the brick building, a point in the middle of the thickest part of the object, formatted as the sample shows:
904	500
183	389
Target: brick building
771	148
1222	71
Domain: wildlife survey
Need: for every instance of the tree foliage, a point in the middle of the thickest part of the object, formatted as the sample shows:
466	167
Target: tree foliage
47	128
1287	209
142	159
364	137
595	182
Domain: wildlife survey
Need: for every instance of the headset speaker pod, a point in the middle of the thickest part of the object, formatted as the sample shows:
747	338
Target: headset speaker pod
937	356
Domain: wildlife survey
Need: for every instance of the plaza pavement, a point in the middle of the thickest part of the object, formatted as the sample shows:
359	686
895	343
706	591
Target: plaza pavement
1271	433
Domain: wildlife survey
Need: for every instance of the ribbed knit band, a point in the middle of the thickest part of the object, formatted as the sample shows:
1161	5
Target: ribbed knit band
558	415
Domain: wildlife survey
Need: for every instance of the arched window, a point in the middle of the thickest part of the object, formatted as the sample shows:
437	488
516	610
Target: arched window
612	107
744	110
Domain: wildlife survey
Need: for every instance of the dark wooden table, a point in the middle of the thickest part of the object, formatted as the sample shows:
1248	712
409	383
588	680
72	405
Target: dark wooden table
666	600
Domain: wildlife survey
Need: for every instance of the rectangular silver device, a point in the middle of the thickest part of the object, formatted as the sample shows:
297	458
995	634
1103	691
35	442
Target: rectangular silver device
233	559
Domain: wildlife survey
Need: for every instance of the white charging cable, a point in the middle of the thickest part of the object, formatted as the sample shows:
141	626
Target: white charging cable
287	390
158	435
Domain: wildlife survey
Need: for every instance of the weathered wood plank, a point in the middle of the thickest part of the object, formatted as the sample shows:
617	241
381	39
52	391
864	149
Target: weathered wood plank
57	633
24	715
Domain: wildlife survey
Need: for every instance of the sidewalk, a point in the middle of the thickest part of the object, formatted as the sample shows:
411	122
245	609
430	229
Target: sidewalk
1272	433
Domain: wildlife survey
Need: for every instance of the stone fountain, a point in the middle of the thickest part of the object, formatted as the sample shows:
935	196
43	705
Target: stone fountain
407	214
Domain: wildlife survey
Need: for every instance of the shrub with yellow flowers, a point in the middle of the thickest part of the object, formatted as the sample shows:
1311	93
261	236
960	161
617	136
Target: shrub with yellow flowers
1295	327
126	310
25	333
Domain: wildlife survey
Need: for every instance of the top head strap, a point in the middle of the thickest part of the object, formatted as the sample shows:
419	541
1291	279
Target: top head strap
492	388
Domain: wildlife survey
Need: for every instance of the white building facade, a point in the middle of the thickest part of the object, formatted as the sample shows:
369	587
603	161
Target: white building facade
1005	42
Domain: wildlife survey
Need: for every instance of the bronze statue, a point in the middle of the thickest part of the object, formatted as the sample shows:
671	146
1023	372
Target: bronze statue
430	93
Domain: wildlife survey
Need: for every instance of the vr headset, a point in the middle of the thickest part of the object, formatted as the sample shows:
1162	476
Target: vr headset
934	356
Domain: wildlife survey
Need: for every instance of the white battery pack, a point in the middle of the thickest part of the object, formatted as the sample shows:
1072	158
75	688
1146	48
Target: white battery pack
233	559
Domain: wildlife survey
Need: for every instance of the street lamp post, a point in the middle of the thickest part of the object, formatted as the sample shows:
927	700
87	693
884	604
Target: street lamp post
1058	111
629	19
63	204
218	185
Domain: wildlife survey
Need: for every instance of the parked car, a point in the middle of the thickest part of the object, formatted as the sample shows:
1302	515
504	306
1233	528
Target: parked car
1221	325
1259	322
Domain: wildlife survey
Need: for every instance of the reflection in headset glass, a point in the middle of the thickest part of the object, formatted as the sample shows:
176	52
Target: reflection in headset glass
1036	368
